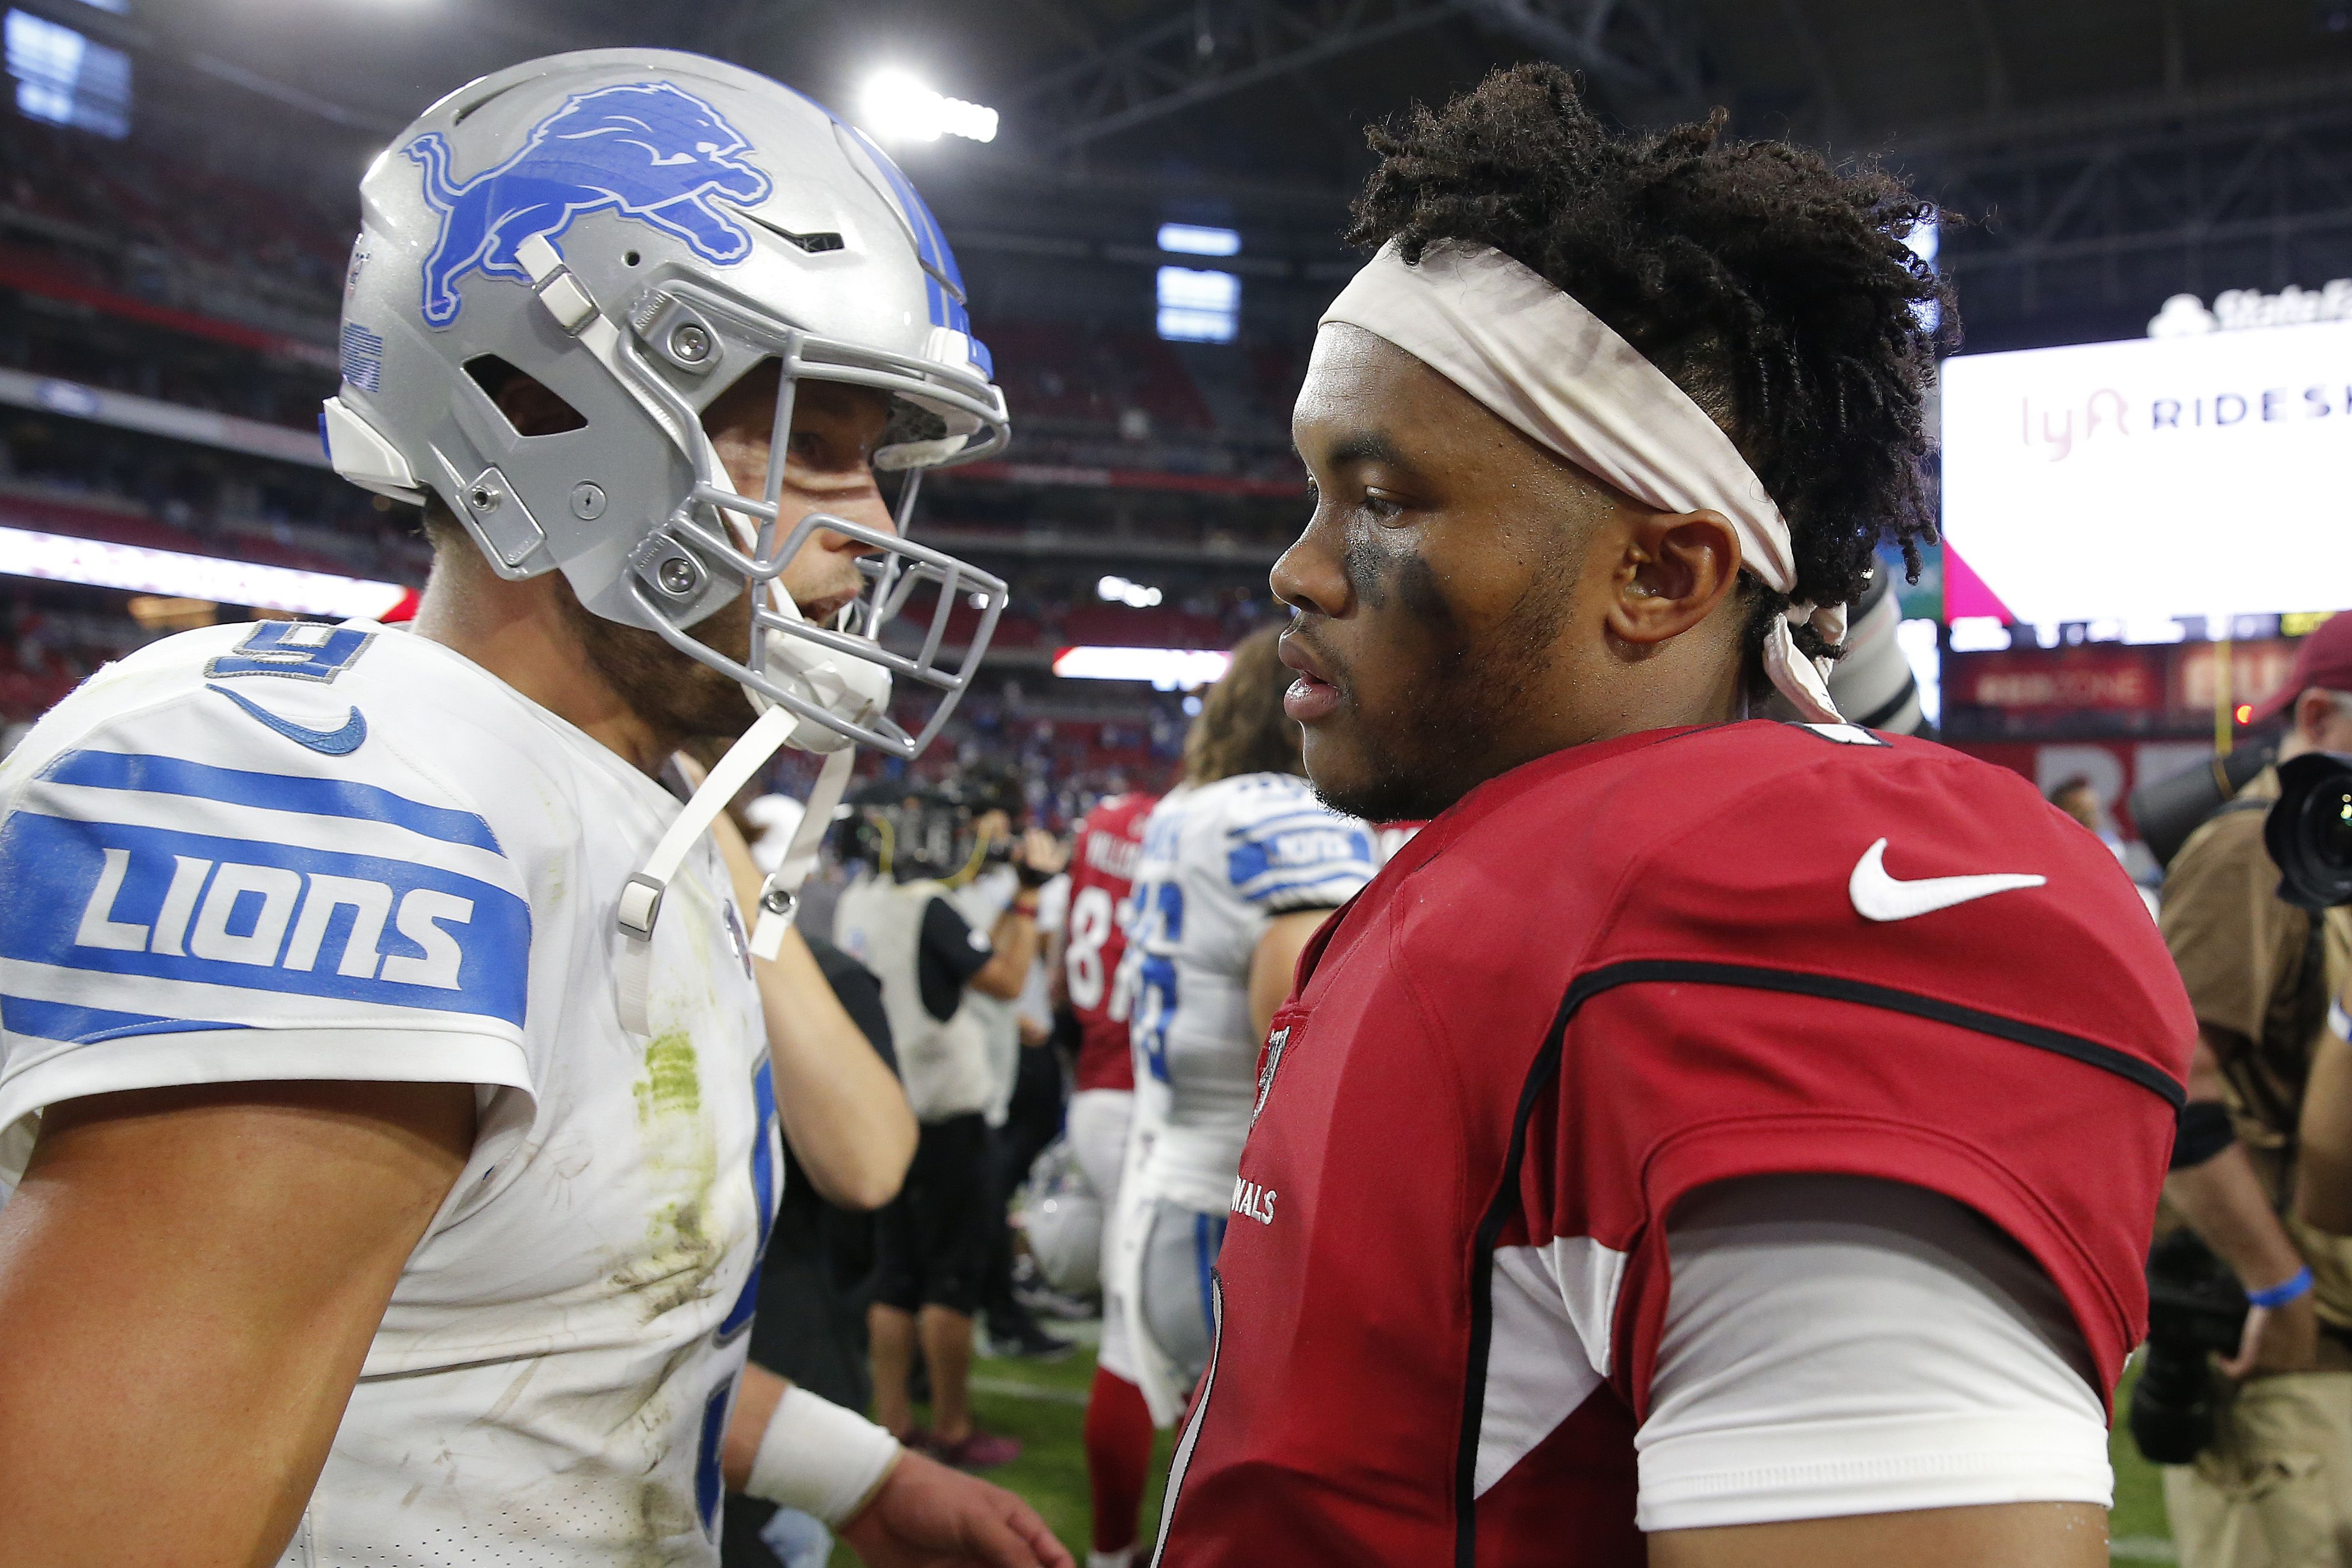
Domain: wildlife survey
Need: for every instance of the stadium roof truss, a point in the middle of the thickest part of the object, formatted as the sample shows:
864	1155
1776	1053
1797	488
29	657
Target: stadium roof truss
2167	196
1642	50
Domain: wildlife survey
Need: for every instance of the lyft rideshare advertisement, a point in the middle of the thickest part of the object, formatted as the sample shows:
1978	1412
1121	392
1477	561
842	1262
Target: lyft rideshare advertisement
2207	475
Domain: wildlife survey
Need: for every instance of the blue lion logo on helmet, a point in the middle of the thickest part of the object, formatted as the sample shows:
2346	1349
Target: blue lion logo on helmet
647	150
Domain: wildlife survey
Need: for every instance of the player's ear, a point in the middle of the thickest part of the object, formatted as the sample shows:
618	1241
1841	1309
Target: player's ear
1674	569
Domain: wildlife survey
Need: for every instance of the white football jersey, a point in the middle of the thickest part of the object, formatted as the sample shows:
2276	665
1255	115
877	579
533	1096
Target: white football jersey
292	851
1219	862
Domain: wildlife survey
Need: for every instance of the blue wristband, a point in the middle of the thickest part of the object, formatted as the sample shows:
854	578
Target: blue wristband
2280	1295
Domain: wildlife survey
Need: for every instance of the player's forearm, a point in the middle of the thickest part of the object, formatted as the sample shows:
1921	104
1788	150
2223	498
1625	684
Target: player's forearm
756	1398
846	1116
788	1446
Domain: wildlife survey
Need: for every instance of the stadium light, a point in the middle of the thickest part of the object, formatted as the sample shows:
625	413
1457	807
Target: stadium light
1169	668
1193	239
897	107
66	78
1119	591
61	558
1198	305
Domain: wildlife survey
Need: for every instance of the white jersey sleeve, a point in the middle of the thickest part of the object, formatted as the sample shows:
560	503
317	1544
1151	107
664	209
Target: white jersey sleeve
1281	849
210	879
1837	1346
1220	863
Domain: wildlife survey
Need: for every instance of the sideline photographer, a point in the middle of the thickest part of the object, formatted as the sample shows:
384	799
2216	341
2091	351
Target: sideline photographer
2273	1488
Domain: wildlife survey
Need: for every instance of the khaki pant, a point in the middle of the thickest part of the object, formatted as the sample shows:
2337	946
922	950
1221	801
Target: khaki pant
2275	1489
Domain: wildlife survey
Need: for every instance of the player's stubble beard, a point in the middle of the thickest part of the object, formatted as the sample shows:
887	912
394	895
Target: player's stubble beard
1437	732
679	698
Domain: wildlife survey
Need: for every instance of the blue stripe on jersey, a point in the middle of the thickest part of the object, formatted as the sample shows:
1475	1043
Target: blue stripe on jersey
87	1025
270	792
1307	818
113	899
763	1194
710	1480
1297	852
1347	877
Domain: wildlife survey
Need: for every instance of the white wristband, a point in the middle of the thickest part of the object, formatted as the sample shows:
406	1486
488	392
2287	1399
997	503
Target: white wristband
820	1459
2339	1020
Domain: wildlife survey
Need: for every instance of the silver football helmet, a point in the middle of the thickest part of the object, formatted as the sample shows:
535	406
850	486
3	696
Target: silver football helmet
635	230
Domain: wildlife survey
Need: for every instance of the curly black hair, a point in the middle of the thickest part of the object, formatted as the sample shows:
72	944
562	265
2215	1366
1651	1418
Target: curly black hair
1772	287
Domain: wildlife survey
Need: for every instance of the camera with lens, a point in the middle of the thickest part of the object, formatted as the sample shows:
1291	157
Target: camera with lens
2195	1310
2309	830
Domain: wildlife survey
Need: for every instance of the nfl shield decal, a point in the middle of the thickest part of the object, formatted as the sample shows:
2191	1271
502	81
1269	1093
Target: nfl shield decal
1275	1044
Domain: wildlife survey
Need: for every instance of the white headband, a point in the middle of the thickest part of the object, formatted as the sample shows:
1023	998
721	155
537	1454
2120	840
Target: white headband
1555	372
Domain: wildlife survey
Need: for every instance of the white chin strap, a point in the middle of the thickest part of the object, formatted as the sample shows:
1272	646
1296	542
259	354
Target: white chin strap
833	681
1552	369
641	900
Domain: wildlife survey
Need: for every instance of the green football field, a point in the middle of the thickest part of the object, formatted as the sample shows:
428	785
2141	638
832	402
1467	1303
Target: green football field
1045	1406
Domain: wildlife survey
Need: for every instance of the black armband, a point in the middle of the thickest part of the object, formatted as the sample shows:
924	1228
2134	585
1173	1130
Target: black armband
2205	1130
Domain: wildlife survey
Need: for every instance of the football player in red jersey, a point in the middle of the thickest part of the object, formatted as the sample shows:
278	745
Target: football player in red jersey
1708	1141
1118	1425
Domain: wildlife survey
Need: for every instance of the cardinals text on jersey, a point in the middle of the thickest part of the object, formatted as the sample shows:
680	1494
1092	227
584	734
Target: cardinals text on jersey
1601	981
308	852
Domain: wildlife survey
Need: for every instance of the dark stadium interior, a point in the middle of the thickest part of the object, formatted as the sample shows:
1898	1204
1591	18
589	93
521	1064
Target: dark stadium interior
2091	160
172	268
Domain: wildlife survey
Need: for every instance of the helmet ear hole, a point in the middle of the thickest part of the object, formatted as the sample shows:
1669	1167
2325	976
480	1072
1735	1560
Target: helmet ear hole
527	406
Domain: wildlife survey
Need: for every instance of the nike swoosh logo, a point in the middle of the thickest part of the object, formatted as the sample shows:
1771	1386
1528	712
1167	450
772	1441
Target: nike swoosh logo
1879	896
339	742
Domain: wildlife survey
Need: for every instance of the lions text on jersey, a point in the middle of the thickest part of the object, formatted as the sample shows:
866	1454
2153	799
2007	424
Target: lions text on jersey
1219	862
292	851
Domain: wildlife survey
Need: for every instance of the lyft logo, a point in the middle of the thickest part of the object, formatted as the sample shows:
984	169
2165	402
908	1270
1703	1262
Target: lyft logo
235	913
2056	429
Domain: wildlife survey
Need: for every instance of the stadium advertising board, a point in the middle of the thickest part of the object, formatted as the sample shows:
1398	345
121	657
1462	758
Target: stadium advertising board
2143	482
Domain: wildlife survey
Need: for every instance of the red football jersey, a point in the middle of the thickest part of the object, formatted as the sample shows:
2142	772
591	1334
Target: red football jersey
1601	981
1102	870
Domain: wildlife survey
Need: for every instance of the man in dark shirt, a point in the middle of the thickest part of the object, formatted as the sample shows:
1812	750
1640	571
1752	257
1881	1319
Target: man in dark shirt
811	1323
932	1241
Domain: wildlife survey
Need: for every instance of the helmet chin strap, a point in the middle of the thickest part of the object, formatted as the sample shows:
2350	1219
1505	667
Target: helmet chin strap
641	897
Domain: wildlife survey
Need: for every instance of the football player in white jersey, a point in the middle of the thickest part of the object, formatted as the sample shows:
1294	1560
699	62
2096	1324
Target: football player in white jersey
1241	865
387	1115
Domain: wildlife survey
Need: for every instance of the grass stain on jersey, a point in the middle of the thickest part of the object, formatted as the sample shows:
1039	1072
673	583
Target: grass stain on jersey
681	1255
665	1518
673	1080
